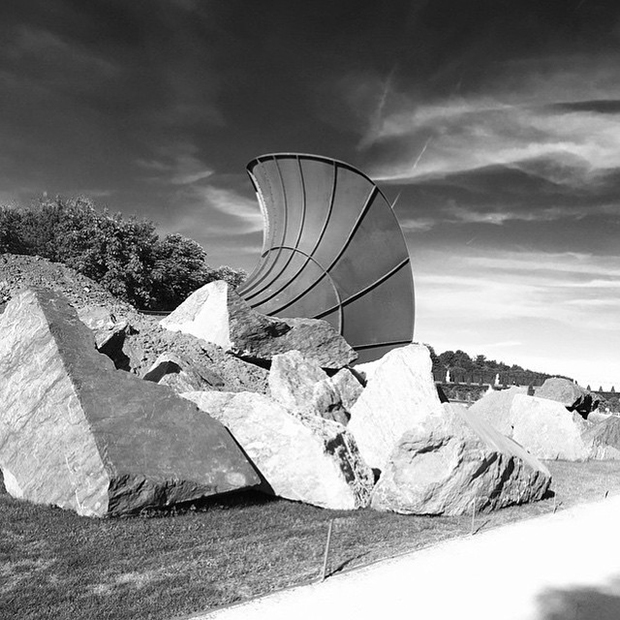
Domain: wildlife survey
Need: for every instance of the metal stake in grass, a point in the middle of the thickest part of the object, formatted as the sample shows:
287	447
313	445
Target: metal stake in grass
329	537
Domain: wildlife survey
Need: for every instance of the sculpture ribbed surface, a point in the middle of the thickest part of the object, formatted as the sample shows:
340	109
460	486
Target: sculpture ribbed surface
332	250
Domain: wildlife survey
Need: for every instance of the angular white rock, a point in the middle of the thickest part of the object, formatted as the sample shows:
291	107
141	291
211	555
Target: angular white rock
448	464
302	458
399	396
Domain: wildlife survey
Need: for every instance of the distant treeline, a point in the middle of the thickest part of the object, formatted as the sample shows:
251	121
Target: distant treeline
465	369
124	254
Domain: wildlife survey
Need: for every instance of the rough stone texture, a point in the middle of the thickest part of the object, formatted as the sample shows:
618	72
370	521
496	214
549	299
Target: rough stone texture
217	314
399	396
171	371
304	388
211	365
105	327
136	347
316	339
77	433
18	272
449	462
302	458
547	430
599	416
495	406
348	386
571	395
603	438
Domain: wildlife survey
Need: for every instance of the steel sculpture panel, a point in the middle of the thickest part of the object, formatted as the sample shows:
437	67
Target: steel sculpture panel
332	250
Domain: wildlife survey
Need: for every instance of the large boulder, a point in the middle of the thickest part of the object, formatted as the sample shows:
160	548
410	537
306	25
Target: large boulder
603	438
400	394
447	463
494	407
571	395
217	314
302	458
77	433
303	387
548	430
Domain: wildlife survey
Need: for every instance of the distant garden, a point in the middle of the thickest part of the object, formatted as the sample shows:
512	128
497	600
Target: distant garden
123	254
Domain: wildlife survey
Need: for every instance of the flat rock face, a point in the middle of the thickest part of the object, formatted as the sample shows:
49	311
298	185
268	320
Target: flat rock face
399	396
494	407
77	433
571	395
446	464
303	387
547	430
217	314
302	458
317	340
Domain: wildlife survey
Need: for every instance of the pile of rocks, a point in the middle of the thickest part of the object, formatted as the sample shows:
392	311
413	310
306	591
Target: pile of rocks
107	412
560	421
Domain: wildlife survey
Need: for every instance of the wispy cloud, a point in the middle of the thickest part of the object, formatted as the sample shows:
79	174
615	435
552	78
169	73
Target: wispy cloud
242	214
177	164
498	214
31	43
476	134
547	116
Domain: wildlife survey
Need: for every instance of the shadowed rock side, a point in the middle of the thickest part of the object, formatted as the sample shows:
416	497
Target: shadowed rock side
77	433
333	250
450	461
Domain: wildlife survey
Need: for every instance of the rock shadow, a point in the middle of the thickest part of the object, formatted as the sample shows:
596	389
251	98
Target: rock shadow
581	603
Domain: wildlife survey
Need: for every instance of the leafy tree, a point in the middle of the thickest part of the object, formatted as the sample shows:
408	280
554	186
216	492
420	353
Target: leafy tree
9	231
123	254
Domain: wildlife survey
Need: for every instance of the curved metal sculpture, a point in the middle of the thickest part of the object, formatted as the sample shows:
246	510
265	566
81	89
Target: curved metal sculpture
332	250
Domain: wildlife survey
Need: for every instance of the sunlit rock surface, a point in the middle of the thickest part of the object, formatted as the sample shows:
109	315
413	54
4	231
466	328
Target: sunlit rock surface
399	396
217	314
303	387
446	464
302	457
77	433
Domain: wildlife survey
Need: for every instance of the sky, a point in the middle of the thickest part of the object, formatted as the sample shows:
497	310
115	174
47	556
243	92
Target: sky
492	125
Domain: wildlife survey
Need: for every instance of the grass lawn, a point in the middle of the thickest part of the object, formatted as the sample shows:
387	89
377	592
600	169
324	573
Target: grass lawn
56	565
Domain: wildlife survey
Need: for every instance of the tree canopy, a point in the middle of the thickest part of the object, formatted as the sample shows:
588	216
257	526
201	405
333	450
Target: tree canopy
124	254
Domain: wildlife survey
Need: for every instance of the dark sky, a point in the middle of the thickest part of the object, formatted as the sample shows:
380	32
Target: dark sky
493	124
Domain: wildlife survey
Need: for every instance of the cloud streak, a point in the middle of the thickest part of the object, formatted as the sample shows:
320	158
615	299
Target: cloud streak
525	122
